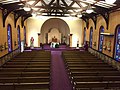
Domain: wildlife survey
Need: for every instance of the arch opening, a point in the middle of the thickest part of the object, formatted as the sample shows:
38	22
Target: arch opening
55	27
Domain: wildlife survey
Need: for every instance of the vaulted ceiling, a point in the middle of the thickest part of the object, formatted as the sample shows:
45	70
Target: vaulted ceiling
58	8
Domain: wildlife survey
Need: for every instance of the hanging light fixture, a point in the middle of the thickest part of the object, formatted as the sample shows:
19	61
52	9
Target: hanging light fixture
73	14
34	14
26	7
79	15
89	9
110	1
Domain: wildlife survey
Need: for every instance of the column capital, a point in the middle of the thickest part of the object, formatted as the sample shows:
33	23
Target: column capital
71	34
38	34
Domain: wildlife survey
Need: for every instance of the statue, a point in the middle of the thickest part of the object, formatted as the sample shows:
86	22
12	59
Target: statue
77	45
64	40
32	42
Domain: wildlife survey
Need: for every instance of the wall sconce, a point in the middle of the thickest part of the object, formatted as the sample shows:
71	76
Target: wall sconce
109	49
15	43
94	43
25	45
1	47
109	46
104	47
6	45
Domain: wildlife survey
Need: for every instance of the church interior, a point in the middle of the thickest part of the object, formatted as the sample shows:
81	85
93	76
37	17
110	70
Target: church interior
60	45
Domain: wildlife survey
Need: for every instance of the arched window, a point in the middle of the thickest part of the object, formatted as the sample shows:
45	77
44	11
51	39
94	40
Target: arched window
18	36
101	38
9	34
91	36
84	39
117	44
24	34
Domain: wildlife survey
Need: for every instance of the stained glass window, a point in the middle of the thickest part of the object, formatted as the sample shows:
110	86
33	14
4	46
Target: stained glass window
9	38
117	46
101	39
84	36
24	34
19	43
91	36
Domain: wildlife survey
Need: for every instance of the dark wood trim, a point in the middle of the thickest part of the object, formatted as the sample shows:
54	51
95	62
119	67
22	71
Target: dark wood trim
106	18
16	17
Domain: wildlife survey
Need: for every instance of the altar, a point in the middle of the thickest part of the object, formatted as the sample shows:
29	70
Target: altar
54	45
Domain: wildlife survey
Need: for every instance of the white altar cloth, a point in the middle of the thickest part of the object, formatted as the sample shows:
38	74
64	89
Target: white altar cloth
53	44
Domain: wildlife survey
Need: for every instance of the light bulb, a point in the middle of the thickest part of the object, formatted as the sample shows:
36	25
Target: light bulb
27	8
79	15
89	10
110	1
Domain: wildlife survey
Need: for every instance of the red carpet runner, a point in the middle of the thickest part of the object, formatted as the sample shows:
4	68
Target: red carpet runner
59	76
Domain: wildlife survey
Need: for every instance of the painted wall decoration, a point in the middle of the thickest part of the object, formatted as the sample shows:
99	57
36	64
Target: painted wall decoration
101	38
117	45
9	34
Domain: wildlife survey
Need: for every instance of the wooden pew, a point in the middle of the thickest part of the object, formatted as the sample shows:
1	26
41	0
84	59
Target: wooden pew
34	74
12	70
25	86
91	69
87	66
94	65
10	74
26	66
37	70
27	71
97	85
98	73
95	78
88	72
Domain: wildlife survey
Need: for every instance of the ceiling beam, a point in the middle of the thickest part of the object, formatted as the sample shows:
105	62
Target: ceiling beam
61	8
64	3
36	1
51	2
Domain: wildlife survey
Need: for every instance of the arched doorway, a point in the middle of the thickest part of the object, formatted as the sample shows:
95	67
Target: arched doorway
9	34
91	36
18	36
117	44
101	38
56	24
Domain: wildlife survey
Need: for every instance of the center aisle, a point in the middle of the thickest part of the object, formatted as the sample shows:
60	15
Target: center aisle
59	76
